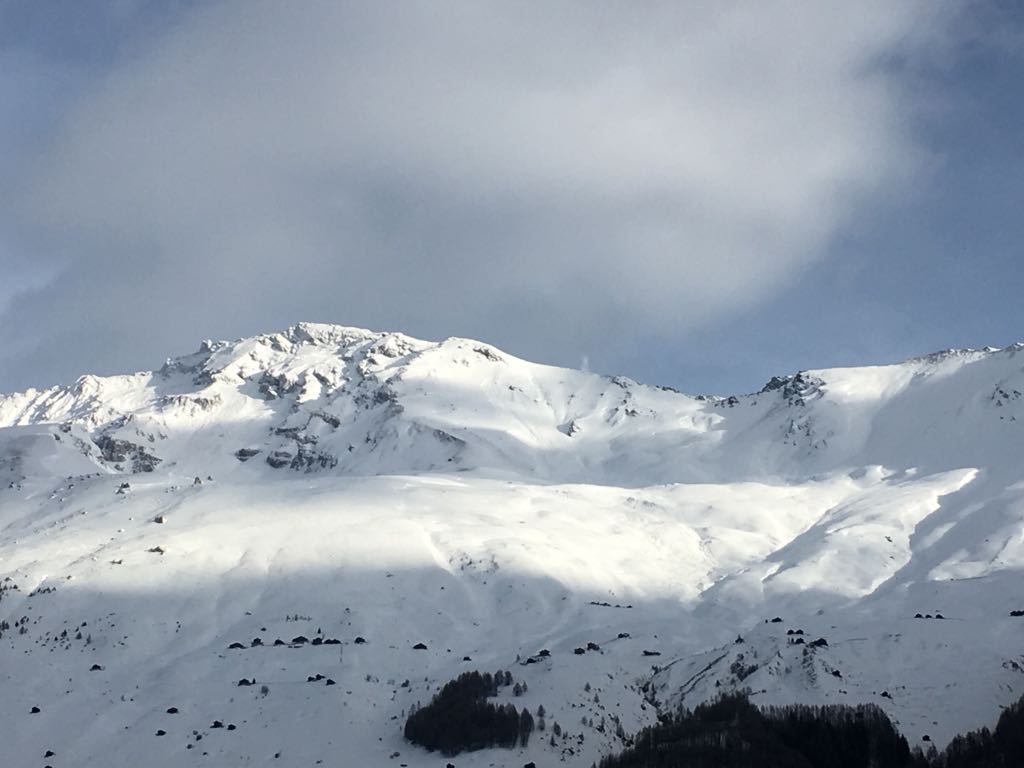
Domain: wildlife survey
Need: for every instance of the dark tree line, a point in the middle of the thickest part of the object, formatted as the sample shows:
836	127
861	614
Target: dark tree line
732	733
1002	748
841	736
460	718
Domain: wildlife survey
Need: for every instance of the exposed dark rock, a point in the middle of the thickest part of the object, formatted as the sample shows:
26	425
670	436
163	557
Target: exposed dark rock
384	395
308	460
190	402
488	353
273	387
296	434
121	451
328	418
795	389
279	459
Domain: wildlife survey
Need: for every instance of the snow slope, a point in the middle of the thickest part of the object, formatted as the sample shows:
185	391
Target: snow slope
336	483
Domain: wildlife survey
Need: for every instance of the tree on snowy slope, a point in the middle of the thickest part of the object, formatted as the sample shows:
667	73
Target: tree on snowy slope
460	719
986	749
733	733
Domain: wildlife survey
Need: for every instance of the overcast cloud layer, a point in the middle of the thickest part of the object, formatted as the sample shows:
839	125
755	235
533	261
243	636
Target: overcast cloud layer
559	178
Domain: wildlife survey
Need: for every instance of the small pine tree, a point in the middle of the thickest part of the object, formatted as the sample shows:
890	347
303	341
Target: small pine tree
525	727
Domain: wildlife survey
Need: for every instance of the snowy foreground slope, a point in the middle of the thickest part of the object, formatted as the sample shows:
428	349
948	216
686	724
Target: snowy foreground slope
337	484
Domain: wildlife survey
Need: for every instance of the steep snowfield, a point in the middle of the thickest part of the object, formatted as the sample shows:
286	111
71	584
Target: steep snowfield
362	485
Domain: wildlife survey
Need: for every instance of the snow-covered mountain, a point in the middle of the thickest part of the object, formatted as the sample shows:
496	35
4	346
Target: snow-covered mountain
336	484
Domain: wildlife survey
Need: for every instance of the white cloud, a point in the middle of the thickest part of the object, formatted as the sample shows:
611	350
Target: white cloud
493	169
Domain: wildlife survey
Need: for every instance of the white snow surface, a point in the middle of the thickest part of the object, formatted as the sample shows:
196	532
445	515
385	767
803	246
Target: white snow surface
338	483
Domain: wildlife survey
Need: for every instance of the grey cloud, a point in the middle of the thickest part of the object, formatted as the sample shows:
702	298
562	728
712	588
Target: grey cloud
542	175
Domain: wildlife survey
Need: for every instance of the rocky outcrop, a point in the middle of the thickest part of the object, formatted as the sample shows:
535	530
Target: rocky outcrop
122	452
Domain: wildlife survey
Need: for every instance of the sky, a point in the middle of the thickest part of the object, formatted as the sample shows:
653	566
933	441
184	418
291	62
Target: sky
695	194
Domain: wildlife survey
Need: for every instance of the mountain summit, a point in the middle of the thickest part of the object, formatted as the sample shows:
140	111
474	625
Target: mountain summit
385	493
354	402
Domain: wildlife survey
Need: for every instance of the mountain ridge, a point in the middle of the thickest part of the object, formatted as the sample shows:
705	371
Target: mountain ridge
365	383
336	483
327	333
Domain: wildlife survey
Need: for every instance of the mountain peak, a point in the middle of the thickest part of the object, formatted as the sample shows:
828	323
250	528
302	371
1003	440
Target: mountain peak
331	398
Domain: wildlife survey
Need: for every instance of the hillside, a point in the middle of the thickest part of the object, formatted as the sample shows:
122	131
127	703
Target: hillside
333	483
